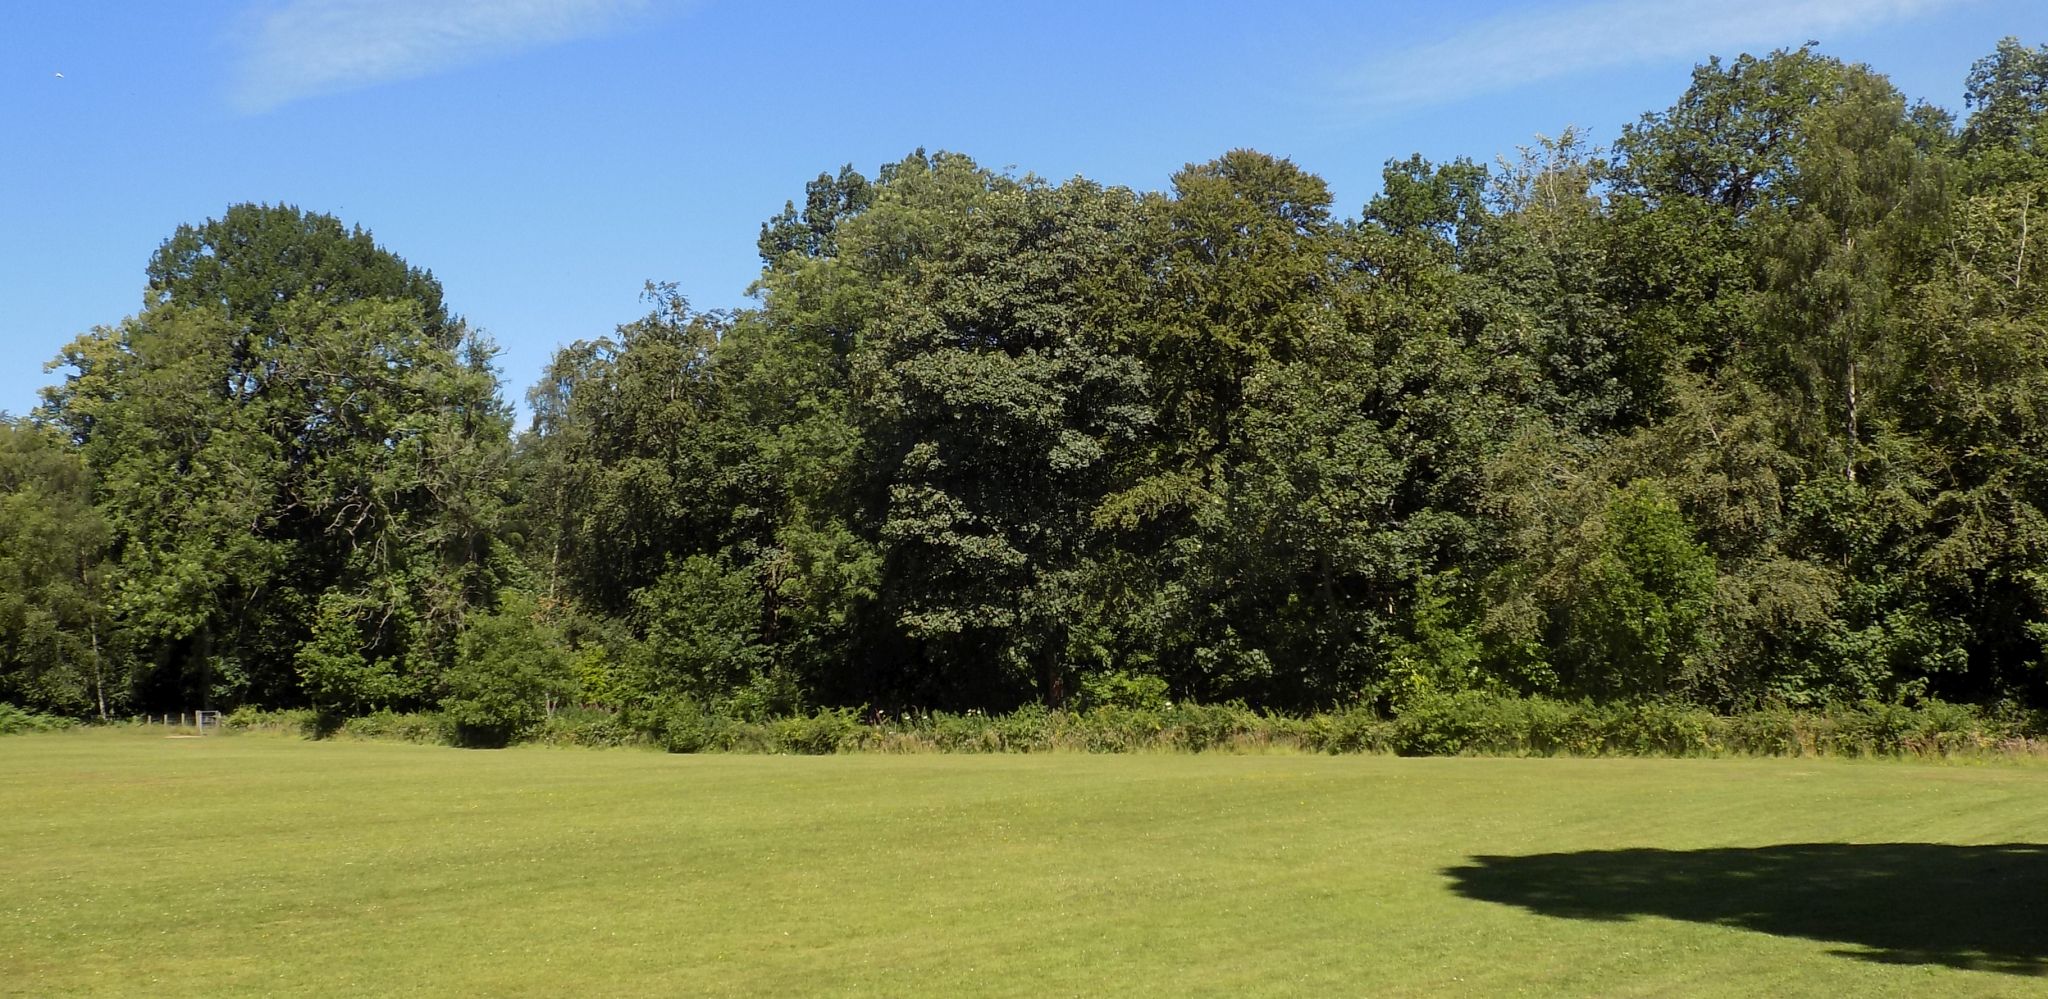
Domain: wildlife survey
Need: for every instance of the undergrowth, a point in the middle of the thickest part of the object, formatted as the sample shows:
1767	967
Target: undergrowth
1473	724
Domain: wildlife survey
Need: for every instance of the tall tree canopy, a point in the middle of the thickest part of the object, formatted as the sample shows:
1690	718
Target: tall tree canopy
1746	409
297	456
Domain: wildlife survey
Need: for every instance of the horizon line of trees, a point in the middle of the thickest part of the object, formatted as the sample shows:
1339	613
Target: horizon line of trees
1750	408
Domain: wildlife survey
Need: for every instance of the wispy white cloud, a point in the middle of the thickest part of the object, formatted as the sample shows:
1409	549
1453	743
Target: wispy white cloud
303	48
1525	47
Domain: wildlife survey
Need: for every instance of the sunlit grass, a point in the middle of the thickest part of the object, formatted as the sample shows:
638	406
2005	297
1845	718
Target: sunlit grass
135	864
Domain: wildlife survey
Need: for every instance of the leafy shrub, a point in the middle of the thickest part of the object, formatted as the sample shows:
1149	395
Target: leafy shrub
1944	728
586	727
1442	651
283	721
968	733
1772	731
1354	730
1122	689
1873	729
1659	728
1477	722
818	734
1119	730
1449	724
1563	728
682	725
1469	722
510	670
764	696
1196	727
702	620
333	670
1636	611
593	670
14	720
424	728
1033	728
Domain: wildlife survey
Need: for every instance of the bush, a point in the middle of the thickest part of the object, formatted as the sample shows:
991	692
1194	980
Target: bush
290	721
586	727
969	733
1354	730
1494	724
818	734
1121	689
1119	730
14	720
1562	728
1449	724
510	670
764	696
685	726
384	726
1469	722
1659	729
1033	728
390	726
1944	728
1773	731
1196	727
702	619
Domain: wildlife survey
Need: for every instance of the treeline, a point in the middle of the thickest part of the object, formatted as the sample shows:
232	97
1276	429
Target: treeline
1745	411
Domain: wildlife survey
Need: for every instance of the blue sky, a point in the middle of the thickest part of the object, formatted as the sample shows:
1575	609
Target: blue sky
545	157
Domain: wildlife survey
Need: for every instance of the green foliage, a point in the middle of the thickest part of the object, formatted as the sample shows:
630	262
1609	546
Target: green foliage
819	734
684	726
288	721
574	726
335	667
809	231
1354	730
511	671
256	258
1483	724
14	721
60	649
296	457
414	727
1119	689
1467	723
1635	623
1741	419
2007	92
1730	140
990	399
701	619
1442	651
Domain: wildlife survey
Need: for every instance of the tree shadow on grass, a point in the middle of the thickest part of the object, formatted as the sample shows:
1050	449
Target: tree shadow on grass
1977	907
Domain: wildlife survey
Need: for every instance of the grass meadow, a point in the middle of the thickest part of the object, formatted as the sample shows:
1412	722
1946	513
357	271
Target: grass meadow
134	864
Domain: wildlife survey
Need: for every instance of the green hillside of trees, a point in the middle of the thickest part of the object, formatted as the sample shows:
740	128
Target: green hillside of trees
1749	409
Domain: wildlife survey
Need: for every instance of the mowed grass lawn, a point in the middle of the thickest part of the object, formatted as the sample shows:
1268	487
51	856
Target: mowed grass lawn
133	864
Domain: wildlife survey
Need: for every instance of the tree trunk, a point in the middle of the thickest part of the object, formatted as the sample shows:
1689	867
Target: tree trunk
99	673
1851	462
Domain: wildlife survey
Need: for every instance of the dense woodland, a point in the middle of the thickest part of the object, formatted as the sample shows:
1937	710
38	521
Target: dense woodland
1749	409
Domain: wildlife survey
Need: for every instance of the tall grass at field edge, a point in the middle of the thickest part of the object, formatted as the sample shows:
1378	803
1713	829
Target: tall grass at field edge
1468	724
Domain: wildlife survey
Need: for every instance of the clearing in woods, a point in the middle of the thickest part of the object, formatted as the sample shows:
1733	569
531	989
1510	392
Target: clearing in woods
246	864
